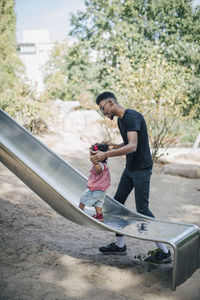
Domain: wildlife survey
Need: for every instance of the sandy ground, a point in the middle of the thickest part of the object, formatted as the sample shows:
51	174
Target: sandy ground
44	256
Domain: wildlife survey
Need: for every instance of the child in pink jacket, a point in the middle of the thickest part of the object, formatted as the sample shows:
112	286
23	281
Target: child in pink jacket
98	183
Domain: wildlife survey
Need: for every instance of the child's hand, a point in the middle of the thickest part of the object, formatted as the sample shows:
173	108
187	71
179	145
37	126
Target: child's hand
98	168
91	157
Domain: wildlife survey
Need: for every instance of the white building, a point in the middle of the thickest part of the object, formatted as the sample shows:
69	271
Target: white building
34	51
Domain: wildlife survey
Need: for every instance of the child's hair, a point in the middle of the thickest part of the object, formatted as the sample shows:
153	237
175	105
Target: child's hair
100	147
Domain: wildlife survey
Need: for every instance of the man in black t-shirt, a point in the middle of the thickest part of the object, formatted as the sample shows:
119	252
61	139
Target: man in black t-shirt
141	157
138	170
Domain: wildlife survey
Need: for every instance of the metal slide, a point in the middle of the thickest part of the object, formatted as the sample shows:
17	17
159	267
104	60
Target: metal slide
60	185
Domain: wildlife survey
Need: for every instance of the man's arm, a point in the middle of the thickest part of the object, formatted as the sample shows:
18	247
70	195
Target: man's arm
114	146
123	150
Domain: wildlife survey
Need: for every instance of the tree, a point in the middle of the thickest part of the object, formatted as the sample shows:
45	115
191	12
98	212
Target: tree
147	51
133	28
9	63
16	97
114	25
158	89
68	73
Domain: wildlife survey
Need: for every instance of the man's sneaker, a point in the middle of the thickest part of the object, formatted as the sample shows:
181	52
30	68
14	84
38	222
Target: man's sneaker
158	257
113	249
99	217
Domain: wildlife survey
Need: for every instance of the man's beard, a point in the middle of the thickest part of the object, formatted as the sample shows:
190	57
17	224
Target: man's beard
112	117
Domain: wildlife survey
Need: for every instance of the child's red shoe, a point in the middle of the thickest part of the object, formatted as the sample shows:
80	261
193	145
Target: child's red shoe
99	217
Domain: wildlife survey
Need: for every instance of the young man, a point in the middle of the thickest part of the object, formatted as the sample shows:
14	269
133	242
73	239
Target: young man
138	169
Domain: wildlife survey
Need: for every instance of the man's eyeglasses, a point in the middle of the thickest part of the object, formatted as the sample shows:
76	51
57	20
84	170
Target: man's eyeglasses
102	108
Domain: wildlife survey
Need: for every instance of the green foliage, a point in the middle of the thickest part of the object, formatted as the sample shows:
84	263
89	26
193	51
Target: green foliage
158	89
188	131
67	71
16	96
10	64
132	28
145	51
20	103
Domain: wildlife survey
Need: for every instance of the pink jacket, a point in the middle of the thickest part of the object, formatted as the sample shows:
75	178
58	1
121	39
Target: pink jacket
99	181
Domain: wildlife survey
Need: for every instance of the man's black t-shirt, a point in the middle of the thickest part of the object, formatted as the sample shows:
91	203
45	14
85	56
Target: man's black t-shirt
134	121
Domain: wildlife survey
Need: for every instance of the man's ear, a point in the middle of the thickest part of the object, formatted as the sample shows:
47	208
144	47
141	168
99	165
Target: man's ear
112	102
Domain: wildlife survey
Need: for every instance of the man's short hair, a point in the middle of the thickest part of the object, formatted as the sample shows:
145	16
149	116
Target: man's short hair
104	96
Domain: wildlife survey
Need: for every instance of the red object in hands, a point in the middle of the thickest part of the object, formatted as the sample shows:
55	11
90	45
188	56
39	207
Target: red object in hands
95	148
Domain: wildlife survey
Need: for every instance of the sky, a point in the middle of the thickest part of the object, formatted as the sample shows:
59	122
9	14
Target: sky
53	15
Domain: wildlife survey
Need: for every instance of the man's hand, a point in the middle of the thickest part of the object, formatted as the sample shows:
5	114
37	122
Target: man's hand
97	156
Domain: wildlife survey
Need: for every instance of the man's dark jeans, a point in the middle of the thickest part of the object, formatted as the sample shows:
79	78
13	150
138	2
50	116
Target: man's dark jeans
140	181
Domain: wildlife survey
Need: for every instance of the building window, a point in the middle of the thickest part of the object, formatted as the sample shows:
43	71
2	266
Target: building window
26	48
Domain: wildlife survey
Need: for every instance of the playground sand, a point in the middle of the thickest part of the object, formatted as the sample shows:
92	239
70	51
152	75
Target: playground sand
44	256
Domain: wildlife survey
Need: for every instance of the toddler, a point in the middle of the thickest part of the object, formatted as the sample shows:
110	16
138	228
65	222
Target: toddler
98	183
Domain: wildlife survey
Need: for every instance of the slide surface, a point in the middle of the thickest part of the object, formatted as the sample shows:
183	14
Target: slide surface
61	185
